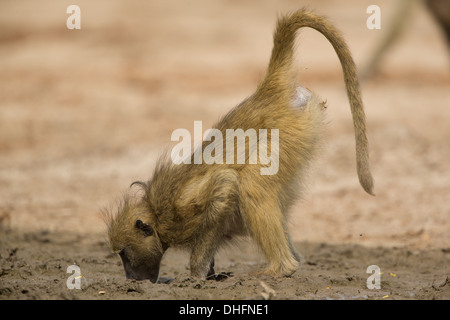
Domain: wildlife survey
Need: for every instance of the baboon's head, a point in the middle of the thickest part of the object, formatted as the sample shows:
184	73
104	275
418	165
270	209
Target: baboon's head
133	236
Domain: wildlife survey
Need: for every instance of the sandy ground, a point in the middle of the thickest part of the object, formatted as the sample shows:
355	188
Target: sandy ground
83	113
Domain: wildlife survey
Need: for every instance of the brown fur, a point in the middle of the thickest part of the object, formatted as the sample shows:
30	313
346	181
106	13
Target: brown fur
200	207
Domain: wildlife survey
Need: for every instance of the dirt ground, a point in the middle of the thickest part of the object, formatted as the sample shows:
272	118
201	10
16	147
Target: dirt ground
83	113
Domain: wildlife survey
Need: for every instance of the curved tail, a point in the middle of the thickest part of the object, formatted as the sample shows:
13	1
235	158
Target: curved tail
279	75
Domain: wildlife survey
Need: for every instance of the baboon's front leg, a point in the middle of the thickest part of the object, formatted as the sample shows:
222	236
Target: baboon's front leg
202	259
220	197
211	269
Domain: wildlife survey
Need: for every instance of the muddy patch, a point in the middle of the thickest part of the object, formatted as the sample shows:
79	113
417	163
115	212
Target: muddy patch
36	265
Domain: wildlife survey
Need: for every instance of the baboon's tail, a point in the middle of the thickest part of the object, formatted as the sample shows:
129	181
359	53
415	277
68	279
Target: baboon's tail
279	74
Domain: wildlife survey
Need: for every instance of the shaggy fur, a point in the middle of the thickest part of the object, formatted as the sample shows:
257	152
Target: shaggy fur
200	207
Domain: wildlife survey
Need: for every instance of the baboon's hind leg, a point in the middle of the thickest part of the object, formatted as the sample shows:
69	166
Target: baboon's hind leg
297	255
266	225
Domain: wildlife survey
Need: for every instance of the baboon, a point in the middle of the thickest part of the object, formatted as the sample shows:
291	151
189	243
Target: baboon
201	207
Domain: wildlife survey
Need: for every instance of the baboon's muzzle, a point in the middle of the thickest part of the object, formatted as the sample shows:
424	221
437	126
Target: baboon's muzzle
145	271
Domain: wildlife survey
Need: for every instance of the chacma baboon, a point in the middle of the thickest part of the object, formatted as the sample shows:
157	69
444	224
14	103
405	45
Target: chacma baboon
200	207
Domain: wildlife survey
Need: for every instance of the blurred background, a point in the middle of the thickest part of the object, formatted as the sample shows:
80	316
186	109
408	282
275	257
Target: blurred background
83	113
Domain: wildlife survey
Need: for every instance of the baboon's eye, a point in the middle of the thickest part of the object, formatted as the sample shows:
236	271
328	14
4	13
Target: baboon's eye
147	229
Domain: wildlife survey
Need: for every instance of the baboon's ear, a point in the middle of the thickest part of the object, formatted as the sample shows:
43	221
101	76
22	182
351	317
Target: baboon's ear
147	229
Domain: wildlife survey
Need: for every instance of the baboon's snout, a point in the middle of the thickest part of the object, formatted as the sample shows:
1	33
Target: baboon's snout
143	271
